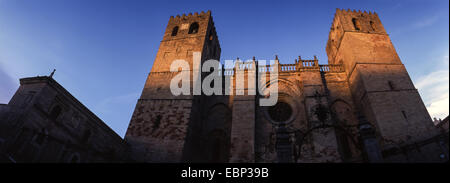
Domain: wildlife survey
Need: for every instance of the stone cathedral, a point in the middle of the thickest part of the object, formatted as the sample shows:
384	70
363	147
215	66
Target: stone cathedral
360	107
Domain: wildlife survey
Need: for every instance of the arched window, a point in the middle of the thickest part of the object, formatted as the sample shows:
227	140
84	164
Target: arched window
372	25
56	111
356	24
175	31
193	29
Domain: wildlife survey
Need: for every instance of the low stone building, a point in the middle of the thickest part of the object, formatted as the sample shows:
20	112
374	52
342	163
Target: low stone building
43	122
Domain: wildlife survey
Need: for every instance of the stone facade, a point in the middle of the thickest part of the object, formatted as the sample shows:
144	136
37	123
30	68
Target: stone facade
45	123
360	107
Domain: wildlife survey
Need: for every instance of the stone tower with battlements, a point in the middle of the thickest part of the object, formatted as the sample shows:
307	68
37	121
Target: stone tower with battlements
159	126
380	85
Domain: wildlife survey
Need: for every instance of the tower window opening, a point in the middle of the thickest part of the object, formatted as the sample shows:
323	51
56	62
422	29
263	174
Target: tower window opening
193	29
157	122
372	25
175	31
391	85
356	24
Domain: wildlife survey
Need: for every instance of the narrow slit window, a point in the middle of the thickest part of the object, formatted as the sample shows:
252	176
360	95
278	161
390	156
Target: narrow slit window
157	122
372	25
391	85
356	24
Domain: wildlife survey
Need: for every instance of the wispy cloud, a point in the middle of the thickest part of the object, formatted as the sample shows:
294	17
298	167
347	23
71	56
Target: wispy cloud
418	24
426	21
434	89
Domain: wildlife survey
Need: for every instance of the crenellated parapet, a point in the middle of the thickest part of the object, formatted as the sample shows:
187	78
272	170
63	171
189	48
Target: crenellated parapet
196	16
190	15
360	21
353	22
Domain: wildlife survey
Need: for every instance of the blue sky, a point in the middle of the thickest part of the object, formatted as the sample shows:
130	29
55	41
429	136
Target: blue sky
104	49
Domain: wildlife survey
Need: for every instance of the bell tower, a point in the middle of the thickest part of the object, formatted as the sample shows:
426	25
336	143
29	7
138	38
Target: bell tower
159	125
380	85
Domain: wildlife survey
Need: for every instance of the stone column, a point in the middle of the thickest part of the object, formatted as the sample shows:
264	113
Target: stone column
244	110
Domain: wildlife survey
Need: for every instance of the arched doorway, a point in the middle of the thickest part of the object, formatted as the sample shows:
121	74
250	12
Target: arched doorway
217	130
